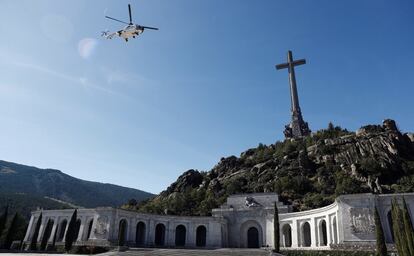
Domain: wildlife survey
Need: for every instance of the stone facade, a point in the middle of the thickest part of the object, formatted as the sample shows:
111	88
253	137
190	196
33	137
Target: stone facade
244	221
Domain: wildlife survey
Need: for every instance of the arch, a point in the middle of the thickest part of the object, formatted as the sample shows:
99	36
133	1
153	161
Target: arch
253	238
159	234
245	230
306	235
62	230
201	236
140	233
122	232
180	235
46	234
334	231
390	226
88	234
323	237
287	235
77	228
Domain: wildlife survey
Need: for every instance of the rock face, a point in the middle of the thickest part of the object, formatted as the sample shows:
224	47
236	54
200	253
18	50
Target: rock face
306	173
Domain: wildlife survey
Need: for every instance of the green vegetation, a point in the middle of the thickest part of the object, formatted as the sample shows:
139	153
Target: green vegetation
46	235
24	204
307	173
33	242
3	219
71	232
276	234
15	231
381	246
26	181
402	229
408	228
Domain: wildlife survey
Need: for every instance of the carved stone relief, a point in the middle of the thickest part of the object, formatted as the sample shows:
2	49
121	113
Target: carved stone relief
362	220
101	227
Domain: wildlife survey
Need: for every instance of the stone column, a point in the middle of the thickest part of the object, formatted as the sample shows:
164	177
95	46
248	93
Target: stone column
150	233
313	232
132	230
42	229
169	234
295	234
328	230
191	234
29	229
66	230
81	229
52	234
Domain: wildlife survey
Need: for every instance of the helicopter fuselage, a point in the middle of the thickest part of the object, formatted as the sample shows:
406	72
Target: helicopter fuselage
130	31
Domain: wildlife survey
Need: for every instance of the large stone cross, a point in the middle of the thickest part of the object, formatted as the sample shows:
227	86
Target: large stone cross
297	128
290	65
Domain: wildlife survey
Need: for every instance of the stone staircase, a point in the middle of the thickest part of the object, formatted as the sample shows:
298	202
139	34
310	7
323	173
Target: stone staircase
190	252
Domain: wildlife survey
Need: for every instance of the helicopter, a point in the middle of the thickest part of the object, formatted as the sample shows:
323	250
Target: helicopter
131	30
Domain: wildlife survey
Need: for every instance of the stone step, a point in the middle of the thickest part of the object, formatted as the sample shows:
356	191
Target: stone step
189	252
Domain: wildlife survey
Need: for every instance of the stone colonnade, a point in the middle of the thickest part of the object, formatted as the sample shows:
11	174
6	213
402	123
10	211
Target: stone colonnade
316	228
108	226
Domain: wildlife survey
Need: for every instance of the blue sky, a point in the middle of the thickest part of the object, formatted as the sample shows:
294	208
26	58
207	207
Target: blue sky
204	86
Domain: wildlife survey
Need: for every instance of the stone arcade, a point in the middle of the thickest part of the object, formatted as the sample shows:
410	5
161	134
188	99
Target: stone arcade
244	221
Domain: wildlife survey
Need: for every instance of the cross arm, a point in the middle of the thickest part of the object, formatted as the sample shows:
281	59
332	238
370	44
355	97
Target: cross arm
281	66
293	63
299	62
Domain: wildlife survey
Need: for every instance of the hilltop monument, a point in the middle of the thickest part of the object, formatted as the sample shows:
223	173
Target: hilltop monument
297	127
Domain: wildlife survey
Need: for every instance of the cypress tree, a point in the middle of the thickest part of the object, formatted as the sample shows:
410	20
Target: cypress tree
398	229
408	228
33	242
70	233
3	219
381	246
46	235
11	232
276	232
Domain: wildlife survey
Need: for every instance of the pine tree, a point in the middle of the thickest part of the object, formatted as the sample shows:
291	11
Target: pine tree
408	228
381	246
33	242
276	234
3	219
11	232
70	233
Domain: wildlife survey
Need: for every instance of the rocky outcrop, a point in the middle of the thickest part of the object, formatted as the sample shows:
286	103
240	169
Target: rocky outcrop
310	172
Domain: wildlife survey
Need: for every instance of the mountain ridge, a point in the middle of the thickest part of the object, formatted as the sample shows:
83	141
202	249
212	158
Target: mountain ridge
52	184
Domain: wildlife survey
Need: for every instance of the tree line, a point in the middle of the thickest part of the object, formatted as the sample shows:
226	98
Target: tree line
14	229
70	237
11	229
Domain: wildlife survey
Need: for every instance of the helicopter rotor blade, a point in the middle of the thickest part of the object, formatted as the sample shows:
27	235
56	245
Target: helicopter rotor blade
130	16
149	28
116	20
